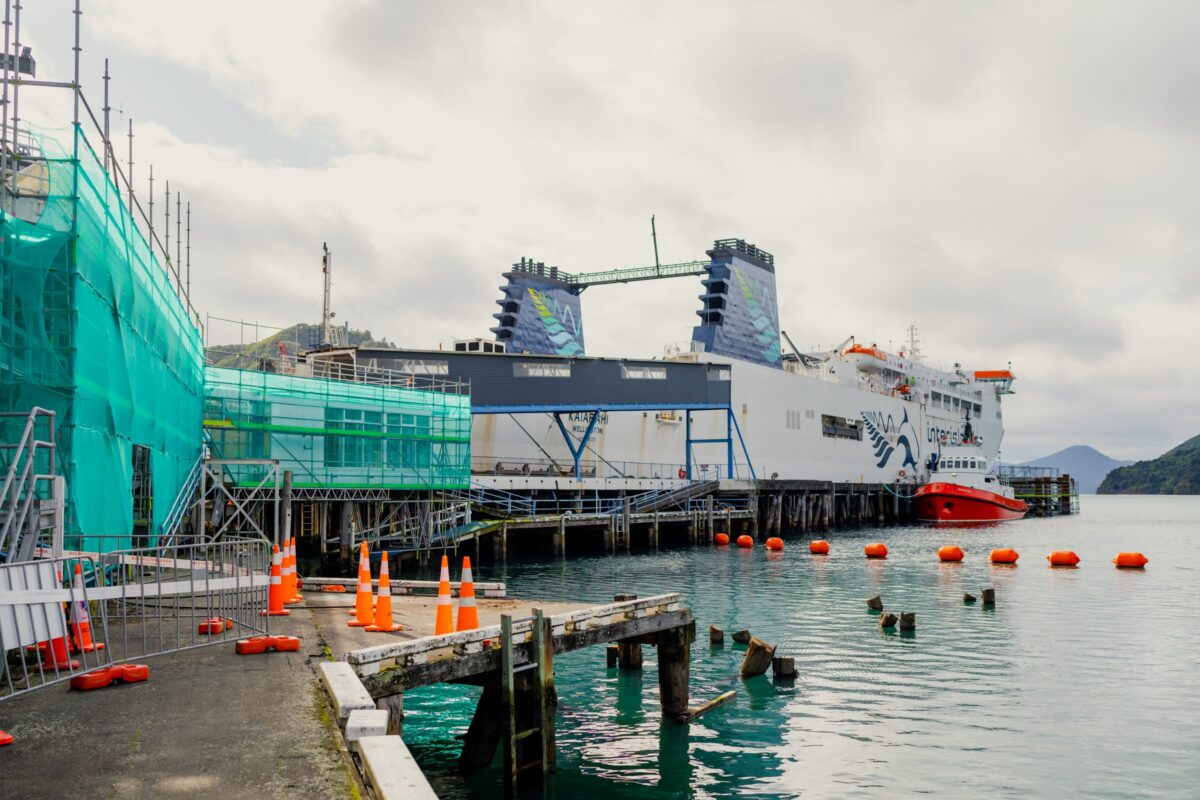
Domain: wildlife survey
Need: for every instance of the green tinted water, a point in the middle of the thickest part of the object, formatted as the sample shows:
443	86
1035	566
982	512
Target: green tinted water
1080	682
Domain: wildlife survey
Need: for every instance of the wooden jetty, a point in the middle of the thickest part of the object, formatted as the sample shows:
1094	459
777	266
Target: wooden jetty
514	663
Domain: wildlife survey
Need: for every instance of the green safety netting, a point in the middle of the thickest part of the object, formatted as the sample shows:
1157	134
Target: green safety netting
92	327
338	434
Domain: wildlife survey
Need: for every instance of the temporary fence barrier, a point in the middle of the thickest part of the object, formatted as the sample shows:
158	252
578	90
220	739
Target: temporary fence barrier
140	602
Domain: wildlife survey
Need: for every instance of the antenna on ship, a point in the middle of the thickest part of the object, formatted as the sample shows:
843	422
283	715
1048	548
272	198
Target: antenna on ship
914	344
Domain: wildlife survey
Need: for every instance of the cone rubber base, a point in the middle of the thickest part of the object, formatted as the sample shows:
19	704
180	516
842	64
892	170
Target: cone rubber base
296	599
284	613
388	629
356	624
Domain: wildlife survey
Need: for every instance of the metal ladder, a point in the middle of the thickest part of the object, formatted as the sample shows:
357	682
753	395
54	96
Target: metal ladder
540	696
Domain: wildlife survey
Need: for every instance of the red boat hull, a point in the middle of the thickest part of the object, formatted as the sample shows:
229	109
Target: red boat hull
950	502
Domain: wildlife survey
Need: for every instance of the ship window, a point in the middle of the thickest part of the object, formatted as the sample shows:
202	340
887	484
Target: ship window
644	373
540	369
978	408
718	373
840	427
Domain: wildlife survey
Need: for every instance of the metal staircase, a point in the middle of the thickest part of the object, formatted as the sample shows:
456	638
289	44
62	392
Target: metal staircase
668	498
32	500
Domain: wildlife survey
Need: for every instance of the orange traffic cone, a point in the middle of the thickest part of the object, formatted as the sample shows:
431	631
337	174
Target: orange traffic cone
5	738
362	600
54	653
293	584
275	595
81	621
383	603
468	617
445	614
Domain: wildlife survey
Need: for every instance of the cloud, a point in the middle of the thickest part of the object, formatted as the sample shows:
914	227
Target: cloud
1016	178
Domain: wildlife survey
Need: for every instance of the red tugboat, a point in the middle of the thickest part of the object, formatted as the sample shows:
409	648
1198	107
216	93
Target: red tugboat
961	490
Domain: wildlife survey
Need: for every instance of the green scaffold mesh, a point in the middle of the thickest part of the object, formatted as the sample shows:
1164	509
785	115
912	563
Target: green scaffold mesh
92	327
339	434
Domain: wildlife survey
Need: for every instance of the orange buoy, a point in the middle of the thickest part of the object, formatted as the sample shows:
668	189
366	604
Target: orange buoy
721	538
876	550
1130	560
820	547
1063	558
774	543
1005	555
745	541
950	552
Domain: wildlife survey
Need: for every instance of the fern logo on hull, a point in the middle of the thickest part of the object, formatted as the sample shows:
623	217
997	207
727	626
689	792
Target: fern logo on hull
889	438
564	339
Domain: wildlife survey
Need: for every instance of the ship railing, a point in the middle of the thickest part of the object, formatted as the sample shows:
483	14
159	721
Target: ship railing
604	469
234	358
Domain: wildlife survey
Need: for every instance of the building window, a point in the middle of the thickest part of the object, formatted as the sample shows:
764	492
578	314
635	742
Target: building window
408	453
541	369
417	366
840	427
718	373
342	447
644	373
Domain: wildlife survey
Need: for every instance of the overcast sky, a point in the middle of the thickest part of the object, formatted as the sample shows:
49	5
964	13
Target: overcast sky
1018	178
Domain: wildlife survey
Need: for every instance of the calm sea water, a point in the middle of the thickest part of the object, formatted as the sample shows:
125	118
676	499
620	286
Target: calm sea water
1079	683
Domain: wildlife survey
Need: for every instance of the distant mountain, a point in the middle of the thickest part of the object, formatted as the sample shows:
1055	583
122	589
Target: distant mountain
301	336
1176	471
1086	465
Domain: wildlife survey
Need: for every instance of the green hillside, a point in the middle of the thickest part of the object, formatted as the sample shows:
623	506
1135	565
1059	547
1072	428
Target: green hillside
301	336
1176	471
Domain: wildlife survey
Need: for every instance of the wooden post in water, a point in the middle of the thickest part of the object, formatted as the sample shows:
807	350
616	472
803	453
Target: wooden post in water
708	513
629	654
654	531
674	669
560	537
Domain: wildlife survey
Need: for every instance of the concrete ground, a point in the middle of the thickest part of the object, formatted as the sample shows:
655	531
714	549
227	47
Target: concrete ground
209	723
417	615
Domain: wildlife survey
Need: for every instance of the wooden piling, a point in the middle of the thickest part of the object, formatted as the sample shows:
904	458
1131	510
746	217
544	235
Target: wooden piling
674	668
742	637
629	654
716	635
758	658
783	667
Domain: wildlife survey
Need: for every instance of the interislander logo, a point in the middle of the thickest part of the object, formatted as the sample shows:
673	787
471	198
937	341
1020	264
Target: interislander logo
762	317
565	339
887	438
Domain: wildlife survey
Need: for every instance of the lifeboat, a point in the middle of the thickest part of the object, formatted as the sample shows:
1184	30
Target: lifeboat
962	491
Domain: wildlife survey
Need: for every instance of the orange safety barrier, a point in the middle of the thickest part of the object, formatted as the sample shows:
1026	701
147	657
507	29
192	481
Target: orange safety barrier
1063	558
444	622
337	587
275	594
774	543
215	626
468	615
261	644
383	603
81	621
876	550
745	541
721	538
820	547
1004	555
107	676
950	552
363	613
1131	560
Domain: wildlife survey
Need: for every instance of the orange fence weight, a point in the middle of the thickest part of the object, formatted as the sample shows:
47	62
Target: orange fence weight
1131	560
107	676
261	644
1063	558
950	552
1004	555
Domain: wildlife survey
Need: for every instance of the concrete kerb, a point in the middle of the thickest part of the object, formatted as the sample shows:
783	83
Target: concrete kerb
384	762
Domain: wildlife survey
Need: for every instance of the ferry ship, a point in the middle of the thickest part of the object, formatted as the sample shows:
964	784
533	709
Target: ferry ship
853	413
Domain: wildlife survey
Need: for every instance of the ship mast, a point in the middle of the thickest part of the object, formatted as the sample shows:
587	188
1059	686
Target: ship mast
914	344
